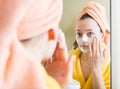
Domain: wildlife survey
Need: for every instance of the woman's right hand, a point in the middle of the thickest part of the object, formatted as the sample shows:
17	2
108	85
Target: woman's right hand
60	65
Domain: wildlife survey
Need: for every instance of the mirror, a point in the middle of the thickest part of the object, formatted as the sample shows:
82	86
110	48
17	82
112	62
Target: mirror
71	8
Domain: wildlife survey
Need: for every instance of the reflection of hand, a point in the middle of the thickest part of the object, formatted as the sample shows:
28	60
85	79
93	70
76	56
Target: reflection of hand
60	66
96	54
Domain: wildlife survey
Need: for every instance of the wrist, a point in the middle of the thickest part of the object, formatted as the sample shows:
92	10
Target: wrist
96	70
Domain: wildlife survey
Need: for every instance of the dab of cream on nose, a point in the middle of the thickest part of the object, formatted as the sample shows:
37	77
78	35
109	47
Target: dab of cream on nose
85	38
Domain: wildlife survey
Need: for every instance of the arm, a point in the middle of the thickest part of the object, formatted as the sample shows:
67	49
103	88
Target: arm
98	81
96	58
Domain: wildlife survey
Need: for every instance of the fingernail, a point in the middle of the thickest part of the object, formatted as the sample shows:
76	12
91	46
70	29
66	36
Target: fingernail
61	45
61	35
61	39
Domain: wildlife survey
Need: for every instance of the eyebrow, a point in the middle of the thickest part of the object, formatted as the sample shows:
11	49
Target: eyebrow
85	30
88	30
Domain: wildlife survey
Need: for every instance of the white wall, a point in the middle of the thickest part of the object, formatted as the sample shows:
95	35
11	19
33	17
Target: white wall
115	5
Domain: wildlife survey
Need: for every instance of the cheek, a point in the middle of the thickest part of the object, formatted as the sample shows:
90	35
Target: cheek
98	36
79	41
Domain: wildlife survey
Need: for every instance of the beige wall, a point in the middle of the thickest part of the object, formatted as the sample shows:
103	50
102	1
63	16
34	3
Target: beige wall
70	9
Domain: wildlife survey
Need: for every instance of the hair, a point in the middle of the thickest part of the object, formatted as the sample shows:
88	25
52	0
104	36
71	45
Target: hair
84	16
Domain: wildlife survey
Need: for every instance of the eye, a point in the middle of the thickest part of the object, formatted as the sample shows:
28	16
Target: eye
90	34
78	34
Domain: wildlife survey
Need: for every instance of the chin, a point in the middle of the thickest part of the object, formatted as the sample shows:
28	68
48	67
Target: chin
84	50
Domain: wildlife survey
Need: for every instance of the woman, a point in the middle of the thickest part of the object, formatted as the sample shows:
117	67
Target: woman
30	33
92	64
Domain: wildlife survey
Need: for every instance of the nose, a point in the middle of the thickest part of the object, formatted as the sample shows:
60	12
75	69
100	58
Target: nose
85	38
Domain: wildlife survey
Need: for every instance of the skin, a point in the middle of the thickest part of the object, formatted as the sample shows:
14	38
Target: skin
91	61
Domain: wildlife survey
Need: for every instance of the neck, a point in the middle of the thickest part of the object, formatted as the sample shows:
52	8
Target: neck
84	56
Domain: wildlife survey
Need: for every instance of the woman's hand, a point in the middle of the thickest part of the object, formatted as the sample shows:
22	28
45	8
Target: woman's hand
60	66
96	54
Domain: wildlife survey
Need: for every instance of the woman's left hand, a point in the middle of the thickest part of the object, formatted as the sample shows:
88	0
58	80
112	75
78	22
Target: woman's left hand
96	54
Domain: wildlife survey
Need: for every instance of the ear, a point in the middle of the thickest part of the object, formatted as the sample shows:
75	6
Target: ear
51	34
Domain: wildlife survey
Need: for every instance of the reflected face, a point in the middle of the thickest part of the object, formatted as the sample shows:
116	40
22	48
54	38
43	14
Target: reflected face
86	30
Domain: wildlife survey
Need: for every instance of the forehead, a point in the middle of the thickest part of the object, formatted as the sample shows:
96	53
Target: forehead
87	24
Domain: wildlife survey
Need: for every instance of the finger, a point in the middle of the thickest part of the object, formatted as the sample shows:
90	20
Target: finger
97	47
90	50
71	59
104	53
100	49
46	64
94	46
70	66
90	55
63	45
61	52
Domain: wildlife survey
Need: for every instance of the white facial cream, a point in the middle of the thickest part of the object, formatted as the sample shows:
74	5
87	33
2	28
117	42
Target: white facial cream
81	40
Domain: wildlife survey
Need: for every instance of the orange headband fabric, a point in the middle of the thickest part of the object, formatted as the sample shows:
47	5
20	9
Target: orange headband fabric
97	12
42	16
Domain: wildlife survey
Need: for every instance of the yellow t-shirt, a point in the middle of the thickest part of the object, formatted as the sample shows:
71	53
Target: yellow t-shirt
78	75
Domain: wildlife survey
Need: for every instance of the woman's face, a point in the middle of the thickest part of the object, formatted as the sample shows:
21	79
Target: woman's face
86	30
40	47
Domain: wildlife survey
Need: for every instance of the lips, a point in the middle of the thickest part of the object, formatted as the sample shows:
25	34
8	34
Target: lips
84	46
